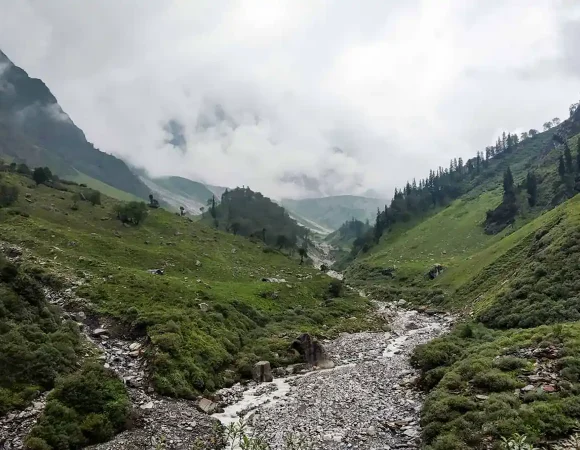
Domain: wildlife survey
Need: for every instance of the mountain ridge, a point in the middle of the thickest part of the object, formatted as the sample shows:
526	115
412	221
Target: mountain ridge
34	129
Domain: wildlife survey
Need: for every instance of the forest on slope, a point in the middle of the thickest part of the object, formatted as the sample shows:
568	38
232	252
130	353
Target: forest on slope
510	365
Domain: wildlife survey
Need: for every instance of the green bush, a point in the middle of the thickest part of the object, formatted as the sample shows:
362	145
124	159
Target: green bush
35	344
85	408
132	212
494	380
8	195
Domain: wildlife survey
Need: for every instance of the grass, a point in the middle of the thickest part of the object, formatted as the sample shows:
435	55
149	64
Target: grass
104	188
244	320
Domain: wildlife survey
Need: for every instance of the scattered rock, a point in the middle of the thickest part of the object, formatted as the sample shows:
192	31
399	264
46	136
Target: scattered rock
204	307
135	346
198	263
156	271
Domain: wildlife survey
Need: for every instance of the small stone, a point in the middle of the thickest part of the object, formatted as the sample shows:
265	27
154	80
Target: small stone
204	307
528	388
198	263
148	405
135	346
100	332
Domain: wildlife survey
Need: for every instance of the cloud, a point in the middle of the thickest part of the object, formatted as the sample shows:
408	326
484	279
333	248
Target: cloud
264	93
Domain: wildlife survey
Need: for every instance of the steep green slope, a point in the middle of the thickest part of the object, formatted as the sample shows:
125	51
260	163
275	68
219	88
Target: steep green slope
511	364
454	236
489	378
333	211
209	313
34	129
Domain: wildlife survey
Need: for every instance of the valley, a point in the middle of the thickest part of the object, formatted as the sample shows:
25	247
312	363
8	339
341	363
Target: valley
140	309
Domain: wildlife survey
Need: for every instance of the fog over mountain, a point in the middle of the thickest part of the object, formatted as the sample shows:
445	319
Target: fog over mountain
299	98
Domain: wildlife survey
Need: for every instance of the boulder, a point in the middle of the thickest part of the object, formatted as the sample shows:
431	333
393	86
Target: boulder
207	406
312	351
100	332
435	271
262	372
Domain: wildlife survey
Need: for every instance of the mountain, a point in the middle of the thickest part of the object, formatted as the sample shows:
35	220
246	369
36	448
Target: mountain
178	191
510	365
332	212
34	129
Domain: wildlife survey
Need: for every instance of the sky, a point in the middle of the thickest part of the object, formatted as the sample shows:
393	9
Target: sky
299	98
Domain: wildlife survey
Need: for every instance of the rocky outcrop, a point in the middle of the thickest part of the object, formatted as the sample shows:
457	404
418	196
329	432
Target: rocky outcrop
262	372
312	351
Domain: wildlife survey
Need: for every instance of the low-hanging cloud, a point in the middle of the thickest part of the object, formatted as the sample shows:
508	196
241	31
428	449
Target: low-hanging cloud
299	98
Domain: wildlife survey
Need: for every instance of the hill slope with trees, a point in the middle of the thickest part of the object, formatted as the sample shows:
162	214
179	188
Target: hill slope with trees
248	213
496	241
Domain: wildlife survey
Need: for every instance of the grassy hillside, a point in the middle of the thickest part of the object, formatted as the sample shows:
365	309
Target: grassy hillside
333	211
454	236
210	316
513	368
511	364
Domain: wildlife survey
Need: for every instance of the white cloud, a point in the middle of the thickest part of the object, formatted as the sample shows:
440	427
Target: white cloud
267	91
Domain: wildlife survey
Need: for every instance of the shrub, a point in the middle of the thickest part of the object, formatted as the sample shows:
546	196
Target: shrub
41	175
132	212
494	380
86	407
94	197
8	195
335	288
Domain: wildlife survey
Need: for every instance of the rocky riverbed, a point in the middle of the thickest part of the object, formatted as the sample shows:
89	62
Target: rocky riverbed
368	401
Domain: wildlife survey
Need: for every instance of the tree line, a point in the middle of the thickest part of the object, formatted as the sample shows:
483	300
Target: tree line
446	184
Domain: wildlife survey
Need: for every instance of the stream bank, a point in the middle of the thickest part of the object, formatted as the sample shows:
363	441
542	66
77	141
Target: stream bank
368	401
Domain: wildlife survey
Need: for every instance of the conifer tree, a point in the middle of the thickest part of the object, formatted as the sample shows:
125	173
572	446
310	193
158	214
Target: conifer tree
568	158
532	188
561	166
578	156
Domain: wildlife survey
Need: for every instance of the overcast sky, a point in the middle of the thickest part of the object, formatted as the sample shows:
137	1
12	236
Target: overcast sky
294	97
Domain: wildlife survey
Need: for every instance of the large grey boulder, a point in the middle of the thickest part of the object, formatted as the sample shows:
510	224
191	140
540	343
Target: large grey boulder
312	351
262	372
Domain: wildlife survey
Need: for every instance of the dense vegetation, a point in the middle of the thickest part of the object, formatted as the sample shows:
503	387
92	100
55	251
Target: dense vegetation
210	316
248	213
86	407
36	345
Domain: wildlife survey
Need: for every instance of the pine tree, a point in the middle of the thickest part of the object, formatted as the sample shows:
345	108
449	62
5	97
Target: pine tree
568	158
532	188
561	166
508	183
578	156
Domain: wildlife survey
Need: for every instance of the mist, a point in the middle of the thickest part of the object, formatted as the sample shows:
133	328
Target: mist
299	99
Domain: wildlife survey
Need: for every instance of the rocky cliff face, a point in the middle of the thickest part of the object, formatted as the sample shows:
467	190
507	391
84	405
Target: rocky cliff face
34	129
